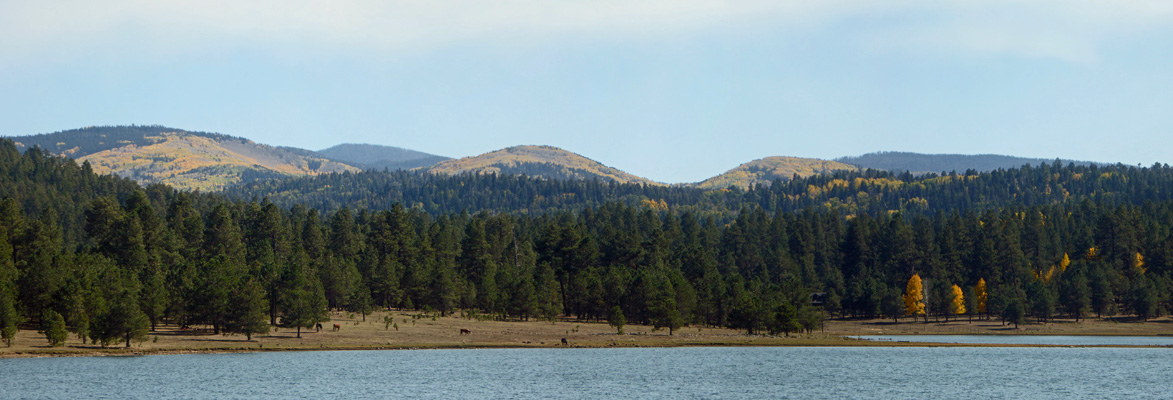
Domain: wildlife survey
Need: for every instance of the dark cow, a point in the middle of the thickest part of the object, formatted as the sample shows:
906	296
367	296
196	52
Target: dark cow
564	343
319	327
337	327
465	331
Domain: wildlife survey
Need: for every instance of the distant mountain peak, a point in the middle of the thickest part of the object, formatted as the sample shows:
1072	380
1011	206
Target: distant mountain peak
766	170
375	156
541	161
182	159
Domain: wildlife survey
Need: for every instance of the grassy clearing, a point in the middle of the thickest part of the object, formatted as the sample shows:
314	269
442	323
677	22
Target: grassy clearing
418	331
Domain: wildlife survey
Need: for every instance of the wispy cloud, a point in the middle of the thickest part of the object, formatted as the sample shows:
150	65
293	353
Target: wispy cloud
1069	29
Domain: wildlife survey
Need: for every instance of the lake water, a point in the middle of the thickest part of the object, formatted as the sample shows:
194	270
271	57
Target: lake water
1028	339
675	373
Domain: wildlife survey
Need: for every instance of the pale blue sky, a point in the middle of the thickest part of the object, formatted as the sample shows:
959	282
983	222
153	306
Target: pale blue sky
676	91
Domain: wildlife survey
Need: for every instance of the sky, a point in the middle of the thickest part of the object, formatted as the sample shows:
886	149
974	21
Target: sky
673	90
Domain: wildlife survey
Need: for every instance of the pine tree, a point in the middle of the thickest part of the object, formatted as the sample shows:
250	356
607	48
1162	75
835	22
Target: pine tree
304	303
55	328
360	302
1014	312
247	310
9	317
123	321
548	297
1075	294
616	319
784	318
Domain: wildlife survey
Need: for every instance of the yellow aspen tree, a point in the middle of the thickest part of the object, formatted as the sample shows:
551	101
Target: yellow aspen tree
980	292
1139	263
1093	254
1050	274
957	303
914	298
1064	263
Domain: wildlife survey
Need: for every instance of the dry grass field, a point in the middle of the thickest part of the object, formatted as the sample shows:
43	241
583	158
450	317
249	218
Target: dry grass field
416	331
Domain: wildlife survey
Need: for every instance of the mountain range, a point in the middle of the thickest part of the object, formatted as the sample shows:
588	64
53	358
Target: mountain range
917	163
210	161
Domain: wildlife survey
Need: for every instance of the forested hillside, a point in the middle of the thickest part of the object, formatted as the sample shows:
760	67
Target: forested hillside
113	259
767	170
545	162
82	142
846	192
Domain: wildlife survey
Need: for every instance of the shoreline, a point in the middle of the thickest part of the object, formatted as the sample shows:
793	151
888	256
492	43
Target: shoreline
846	342
426	332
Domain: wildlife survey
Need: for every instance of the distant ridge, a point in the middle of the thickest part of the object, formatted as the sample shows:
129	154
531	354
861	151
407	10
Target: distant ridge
937	163
77	143
373	156
546	162
183	159
766	170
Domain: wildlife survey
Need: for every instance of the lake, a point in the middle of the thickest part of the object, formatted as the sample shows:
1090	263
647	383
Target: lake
738	373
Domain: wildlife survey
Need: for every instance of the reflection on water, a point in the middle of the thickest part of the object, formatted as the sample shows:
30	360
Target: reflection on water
676	373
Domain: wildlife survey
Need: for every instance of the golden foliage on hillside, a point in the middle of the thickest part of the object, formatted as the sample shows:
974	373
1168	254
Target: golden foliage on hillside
511	158
200	163
766	170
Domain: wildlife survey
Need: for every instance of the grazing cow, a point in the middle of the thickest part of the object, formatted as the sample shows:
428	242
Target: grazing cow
465	331
319	327
337	327
564	342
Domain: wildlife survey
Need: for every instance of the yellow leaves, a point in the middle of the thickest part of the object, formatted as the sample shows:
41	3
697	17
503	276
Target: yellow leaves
1093	254
1138	263
914	303
1064	263
982	297
655	205
917	202
1049	274
957	305
172	158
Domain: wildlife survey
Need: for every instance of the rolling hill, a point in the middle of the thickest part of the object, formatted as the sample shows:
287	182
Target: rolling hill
918	163
373	156
546	162
766	170
185	160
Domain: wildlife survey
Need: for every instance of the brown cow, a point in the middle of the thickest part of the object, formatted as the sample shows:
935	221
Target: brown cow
465	331
337	327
